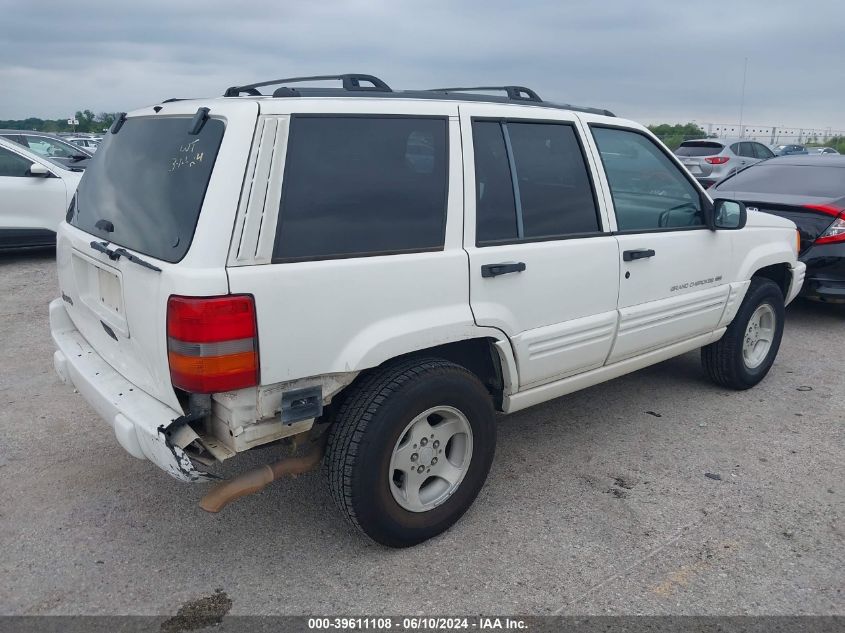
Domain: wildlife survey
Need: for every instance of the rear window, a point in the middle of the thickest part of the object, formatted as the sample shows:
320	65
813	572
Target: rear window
362	185
148	181
797	180
699	148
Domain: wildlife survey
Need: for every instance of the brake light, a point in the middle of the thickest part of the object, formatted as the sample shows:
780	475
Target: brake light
212	343
824	208
717	160
834	233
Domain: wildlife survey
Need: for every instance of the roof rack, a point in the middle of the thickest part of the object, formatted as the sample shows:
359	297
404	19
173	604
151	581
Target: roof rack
350	82
351	87
514	93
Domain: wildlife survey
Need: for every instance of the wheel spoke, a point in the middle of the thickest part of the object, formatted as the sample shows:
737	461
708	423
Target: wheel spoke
447	428
411	489
445	470
421	429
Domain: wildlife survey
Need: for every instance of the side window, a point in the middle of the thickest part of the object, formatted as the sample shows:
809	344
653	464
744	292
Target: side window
762	151
495	208
47	147
649	191
13	165
736	148
356	186
531	182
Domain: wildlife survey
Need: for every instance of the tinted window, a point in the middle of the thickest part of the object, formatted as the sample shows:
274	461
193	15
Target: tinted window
554	188
149	181
495	209
362	186
699	148
555	195
747	149
649	191
797	180
12	164
761	151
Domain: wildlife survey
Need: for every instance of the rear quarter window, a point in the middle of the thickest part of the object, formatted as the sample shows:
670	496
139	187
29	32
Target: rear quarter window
149	181
362	185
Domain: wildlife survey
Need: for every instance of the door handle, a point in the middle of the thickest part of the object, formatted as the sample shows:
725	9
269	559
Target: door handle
494	270
640	253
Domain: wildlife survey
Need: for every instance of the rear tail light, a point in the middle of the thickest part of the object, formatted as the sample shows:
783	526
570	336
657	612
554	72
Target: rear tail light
824	208
212	343
717	160
834	233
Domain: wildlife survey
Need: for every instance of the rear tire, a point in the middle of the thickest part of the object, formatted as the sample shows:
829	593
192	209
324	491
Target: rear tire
387	427
744	355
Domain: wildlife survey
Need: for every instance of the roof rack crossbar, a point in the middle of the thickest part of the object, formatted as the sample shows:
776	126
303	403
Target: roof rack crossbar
350	81
515	93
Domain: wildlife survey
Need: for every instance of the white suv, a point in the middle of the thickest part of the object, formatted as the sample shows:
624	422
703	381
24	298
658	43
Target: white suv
373	274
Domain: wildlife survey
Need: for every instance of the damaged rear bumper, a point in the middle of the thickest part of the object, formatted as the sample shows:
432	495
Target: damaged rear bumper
140	422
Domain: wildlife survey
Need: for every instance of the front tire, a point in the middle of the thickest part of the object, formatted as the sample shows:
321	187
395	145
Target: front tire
410	449
744	355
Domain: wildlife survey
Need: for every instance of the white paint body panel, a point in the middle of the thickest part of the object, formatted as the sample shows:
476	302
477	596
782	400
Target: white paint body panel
30	202
560	312
140	351
678	293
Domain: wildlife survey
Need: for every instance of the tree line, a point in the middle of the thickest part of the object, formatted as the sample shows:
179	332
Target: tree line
88	122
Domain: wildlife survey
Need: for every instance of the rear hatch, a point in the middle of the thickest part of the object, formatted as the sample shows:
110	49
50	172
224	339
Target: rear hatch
152	217
812	196
693	155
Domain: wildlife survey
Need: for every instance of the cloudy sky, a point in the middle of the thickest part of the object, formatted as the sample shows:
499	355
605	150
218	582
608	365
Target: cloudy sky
650	60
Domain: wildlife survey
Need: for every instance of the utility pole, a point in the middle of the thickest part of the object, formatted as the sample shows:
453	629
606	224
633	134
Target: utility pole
742	99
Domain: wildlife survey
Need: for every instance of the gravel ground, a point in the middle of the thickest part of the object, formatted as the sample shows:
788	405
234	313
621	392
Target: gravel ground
597	503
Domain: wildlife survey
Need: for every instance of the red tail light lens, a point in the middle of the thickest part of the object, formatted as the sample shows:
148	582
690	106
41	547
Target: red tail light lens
824	208
717	160
834	233
212	343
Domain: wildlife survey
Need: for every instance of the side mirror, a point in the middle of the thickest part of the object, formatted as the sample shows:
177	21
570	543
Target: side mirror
729	214
38	170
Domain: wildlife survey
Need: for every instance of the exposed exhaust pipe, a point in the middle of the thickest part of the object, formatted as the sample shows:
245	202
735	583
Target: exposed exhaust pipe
257	479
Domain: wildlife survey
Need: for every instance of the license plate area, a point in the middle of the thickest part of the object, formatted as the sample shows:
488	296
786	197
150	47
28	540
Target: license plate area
109	287
100	289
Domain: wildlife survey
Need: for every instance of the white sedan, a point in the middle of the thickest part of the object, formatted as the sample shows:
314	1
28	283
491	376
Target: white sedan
34	196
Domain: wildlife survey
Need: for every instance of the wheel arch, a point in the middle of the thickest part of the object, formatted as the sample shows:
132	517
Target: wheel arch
779	273
489	358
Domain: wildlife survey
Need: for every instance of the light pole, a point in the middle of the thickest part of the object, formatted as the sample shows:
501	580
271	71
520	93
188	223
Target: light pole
742	99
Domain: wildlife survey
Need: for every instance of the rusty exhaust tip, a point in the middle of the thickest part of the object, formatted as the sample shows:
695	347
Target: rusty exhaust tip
257	479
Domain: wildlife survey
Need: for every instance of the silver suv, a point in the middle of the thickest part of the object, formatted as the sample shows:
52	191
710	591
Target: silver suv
710	160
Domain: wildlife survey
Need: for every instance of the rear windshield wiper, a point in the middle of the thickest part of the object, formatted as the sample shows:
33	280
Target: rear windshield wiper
117	253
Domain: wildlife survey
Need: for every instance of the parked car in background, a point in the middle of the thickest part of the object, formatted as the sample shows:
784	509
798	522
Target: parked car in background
34	196
810	191
88	143
821	150
789	150
51	147
710	160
